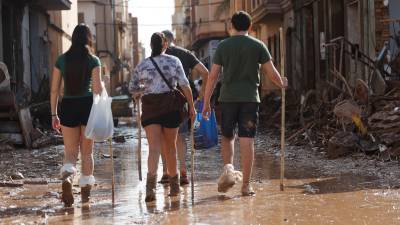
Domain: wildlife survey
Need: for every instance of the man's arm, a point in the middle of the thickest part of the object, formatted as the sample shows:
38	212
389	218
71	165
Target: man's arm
203	72
269	70
212	81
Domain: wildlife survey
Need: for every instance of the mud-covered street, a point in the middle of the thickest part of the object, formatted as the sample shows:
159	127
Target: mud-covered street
356	189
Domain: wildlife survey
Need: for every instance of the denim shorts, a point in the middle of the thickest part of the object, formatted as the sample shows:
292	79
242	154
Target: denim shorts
240	115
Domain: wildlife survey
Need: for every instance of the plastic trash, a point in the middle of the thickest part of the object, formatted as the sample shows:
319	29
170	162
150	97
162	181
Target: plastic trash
205	131
100	125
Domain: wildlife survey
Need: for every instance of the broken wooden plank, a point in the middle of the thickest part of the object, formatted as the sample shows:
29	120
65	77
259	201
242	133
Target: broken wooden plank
346	84
381	131
309	125
11	184
391	116
36	181
6	147
335	87
25	121
13	138
47	140
10	127
384	125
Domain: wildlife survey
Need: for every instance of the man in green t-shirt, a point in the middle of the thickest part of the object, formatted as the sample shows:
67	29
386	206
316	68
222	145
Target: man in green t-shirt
240	56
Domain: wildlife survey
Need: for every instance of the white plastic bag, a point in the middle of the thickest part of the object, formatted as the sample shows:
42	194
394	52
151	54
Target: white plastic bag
100	125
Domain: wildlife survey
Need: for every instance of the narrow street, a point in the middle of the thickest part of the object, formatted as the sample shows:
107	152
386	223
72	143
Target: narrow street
351	190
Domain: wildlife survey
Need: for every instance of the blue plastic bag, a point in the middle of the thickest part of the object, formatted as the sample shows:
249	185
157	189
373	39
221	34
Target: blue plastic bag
205	131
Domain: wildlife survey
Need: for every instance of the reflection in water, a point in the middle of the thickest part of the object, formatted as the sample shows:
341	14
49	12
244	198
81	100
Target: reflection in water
309	197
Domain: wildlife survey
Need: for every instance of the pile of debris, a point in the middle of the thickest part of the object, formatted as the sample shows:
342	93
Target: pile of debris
350	123
384	123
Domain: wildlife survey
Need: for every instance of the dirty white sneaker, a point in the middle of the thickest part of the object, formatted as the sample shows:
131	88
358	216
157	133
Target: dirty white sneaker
228	178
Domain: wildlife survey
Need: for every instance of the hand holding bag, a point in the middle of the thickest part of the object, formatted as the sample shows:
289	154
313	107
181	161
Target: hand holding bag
205	131
100	125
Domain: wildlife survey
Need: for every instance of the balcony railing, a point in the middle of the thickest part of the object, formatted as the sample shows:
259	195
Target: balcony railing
266	7
53	4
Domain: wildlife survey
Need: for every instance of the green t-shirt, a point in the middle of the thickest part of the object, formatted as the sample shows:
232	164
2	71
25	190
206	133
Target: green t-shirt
240	57
93	62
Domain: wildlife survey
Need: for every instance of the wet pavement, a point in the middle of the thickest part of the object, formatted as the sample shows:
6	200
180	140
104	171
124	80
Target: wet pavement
353	190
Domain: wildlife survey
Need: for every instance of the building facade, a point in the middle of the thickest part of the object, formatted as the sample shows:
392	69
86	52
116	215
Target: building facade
199	25
321	39
32	36
181	23
135	39
112	28
28	50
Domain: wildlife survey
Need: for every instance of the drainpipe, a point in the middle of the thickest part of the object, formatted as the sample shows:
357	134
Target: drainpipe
115	41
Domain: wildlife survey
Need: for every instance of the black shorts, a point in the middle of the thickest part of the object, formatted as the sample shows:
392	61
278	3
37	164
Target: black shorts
244	115
168	120
75	112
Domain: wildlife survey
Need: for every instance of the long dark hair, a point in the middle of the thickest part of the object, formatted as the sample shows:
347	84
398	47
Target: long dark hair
77	73
157	43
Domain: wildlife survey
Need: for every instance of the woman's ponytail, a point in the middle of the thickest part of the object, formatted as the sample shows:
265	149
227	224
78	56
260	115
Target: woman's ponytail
157	43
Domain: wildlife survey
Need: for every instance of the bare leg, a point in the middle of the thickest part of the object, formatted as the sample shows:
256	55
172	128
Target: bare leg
170	135
227	149
181	147
164	151
154	135
228	177
71	136
86	154
247	157
71	149
87	179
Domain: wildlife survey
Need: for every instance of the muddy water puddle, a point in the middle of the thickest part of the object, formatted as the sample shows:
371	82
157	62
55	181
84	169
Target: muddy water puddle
310	197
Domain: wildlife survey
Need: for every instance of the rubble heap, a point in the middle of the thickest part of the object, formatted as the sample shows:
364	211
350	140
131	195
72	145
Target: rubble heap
332	131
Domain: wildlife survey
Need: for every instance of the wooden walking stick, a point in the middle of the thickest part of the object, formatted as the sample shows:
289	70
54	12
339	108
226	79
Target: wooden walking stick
113	175
192	159
139	125
282	111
